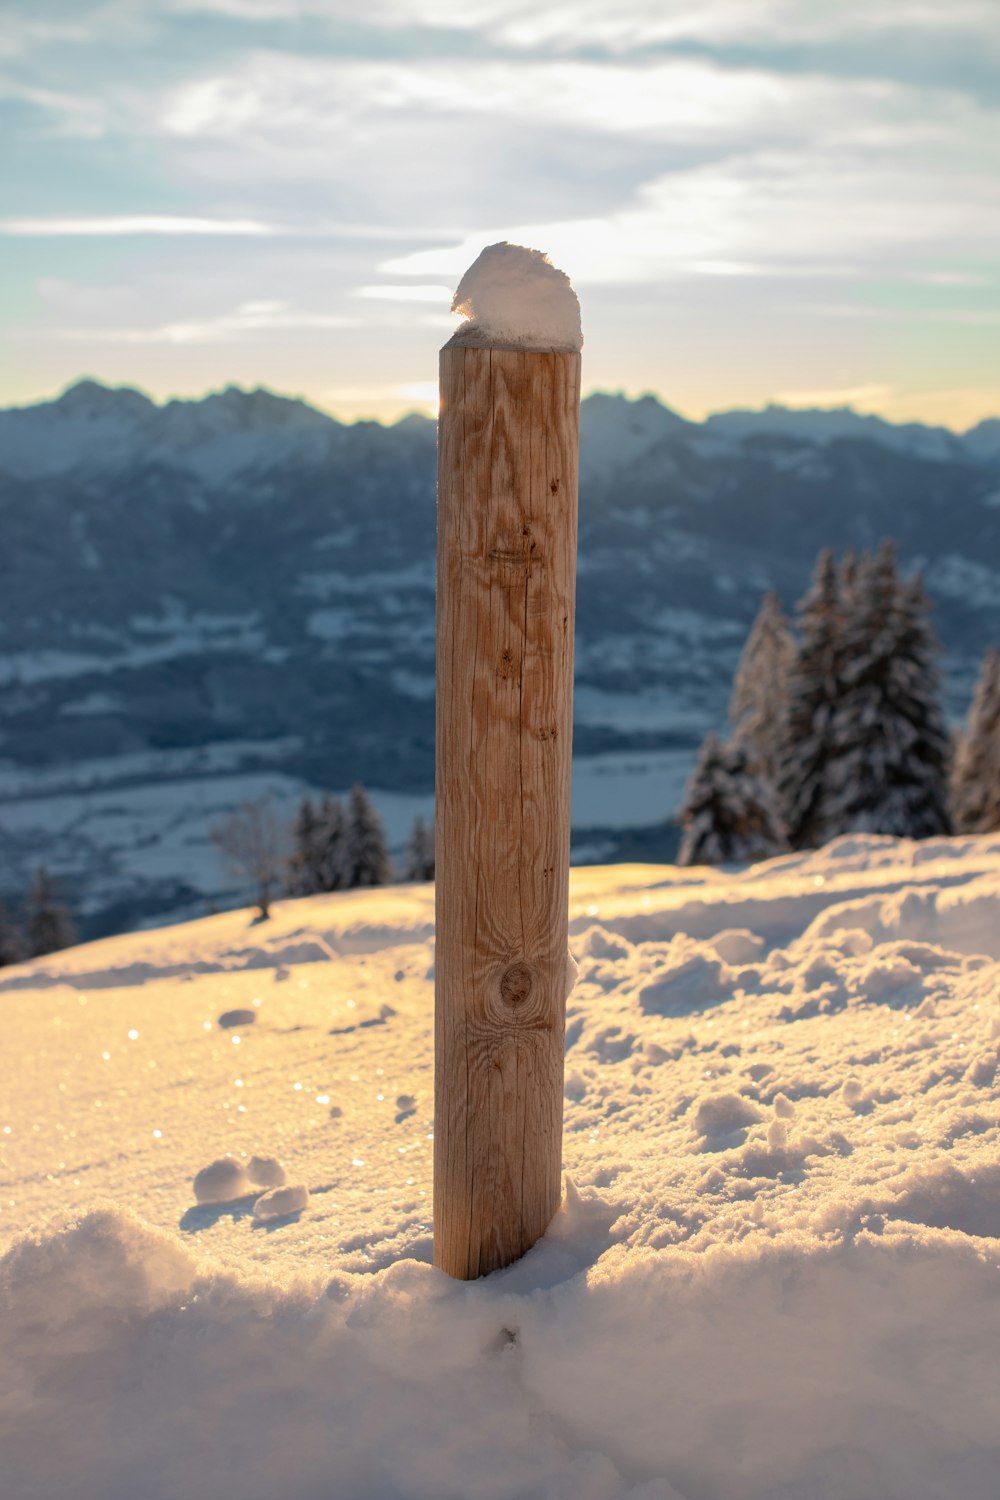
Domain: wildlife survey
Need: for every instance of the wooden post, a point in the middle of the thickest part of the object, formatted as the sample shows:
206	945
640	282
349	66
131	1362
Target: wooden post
508	443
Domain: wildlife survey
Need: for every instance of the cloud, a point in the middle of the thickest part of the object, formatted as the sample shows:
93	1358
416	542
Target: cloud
589	24
248	318
862	397
787	213
274	96
72	115
416	293
117	224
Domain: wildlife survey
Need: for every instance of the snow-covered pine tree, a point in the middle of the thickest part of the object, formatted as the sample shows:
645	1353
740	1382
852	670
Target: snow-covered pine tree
814	689
12	945
975	786
889	769
48	926
366	858
419	859
728	815
758	708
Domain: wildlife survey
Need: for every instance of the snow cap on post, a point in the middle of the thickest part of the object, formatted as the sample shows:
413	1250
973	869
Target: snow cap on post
515	298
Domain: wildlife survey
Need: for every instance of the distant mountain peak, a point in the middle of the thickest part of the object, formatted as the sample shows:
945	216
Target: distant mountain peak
90	397
237	409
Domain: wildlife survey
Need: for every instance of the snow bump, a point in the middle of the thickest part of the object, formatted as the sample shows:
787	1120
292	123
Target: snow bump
513	297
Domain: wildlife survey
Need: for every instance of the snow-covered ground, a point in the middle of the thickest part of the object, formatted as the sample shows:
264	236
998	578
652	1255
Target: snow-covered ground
777	1268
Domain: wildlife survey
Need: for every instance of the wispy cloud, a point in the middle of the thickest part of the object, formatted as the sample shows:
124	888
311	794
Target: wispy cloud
415	293
273	94
119	224
776	213
70	114
862	397
248	318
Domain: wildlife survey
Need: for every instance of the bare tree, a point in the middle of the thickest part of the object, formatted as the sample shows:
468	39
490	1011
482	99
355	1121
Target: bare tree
251	840
48	925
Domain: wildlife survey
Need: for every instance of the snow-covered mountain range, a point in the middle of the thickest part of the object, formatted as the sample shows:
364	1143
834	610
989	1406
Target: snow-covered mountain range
204	598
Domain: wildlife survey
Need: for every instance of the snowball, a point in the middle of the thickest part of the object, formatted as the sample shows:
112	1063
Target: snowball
515	297
281	1201
266	1171
221	1181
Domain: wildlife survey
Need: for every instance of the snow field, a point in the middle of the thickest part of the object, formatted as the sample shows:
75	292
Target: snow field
776	1272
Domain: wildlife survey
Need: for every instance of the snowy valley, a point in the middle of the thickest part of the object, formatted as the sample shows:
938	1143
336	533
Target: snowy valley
775	1275
207	601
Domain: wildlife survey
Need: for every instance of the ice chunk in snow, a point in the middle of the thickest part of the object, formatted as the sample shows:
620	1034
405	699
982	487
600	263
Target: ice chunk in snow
281	1201
266	1171
221	1181
515	297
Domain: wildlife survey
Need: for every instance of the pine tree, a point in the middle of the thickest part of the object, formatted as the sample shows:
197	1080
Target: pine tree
301	878
47	924
366	859
12	945
890	748
758	709
814	690
975	788
728	815
847	580
331	845
419	858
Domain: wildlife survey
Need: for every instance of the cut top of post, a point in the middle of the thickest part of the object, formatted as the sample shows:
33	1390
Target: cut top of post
515	298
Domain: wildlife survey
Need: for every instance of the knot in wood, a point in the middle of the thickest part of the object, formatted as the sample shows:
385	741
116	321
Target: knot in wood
516	984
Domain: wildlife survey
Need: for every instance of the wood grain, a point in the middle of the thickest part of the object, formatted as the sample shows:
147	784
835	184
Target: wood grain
506	586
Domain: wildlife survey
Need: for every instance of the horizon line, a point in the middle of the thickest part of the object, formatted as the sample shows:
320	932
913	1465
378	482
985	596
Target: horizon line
420	407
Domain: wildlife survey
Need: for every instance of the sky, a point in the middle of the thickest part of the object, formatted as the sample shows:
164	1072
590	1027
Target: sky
757	200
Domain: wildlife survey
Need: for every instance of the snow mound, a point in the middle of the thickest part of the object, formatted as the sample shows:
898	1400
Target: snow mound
515	297
64	1295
